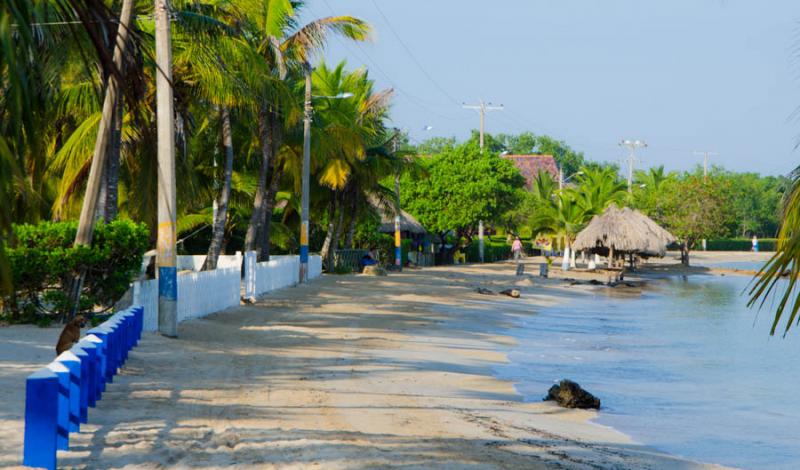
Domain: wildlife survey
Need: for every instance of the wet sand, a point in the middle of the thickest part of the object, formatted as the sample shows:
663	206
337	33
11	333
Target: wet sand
347	372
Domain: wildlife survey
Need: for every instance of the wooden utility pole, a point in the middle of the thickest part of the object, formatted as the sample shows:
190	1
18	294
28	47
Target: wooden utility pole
482	109
166	257
705	154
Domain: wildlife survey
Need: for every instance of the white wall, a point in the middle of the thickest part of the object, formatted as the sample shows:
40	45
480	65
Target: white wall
145	293
195	262
314	266
205	292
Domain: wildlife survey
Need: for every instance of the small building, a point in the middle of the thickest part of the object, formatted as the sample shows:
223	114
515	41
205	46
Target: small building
531	165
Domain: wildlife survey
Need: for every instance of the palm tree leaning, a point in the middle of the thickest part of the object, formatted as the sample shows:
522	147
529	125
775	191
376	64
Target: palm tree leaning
778	277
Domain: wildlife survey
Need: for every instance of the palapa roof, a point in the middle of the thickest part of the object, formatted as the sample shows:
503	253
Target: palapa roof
407	222
531	165
625	230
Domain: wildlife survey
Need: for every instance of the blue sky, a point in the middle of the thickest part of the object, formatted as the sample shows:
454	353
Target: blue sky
684	75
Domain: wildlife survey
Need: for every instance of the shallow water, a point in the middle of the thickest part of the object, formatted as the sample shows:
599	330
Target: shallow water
685	368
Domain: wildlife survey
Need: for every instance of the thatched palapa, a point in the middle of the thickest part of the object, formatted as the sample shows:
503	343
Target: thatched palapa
407	222
624	231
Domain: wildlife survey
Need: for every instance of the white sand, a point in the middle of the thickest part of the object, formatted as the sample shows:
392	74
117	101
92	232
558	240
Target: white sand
348	372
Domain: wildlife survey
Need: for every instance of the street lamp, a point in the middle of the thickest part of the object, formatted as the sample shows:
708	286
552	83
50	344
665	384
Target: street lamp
306	170
562	180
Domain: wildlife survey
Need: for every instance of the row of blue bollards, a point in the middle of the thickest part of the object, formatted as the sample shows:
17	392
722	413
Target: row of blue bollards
57	397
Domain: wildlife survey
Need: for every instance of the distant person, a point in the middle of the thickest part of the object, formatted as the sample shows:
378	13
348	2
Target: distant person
755	243
516	249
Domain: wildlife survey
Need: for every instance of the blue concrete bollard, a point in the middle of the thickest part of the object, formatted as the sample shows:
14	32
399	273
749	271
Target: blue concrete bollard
105	336
101	363
86	379
72	363
41	420
62	430
92	383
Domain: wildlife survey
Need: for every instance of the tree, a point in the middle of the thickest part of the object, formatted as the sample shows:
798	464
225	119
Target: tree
695	209
778	277
461	187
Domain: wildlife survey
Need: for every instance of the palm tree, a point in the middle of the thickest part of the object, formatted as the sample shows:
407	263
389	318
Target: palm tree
771	279
286	47
560	216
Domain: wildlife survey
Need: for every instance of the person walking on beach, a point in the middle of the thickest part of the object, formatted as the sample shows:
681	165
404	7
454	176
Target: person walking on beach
516	249
755	243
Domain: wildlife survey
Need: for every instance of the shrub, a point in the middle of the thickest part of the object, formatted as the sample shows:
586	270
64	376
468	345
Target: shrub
739	244
43	262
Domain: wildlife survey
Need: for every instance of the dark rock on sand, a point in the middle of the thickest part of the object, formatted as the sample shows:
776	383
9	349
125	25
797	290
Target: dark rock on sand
570	395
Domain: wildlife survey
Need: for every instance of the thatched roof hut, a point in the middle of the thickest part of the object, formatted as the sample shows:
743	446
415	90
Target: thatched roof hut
624	231
407	222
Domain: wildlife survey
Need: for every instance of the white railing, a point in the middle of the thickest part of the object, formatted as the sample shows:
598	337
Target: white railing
204	292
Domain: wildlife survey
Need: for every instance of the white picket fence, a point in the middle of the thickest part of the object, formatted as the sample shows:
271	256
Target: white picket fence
205	292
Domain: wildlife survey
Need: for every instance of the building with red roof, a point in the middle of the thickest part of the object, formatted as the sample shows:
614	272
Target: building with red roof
531	165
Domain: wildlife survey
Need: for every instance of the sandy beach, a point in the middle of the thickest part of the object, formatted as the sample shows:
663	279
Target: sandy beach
348	372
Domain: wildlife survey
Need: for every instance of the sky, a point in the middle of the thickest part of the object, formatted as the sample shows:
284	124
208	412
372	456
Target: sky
682	75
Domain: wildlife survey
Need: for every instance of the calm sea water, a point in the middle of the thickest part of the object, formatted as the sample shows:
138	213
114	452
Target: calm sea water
685	368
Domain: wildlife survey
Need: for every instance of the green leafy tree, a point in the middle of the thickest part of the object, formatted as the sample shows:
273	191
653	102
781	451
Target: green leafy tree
461	187
695	208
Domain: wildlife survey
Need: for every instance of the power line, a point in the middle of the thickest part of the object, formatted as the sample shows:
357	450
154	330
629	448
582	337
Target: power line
411	54
409	97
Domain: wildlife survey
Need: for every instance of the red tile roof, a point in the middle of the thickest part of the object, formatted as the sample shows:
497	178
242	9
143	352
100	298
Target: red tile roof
531	165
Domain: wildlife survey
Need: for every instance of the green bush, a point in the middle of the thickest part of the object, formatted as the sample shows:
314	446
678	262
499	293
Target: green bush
738	244
43	260
492	251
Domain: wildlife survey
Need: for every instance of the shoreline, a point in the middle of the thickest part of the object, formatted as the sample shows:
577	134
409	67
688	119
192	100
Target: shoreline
350	371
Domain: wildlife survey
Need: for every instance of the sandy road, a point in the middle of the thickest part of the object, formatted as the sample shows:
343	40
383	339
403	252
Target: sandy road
348	372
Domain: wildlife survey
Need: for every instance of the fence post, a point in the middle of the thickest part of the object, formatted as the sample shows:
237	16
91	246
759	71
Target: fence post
250	275
41	420
72	363
102	357
104	335
62	428
83	357
92	384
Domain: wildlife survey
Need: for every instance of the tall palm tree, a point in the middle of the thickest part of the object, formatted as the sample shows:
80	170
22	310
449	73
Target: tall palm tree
286	46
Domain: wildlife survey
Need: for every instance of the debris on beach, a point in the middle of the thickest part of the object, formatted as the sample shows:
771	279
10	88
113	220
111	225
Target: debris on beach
484	291
570	395
374	270
514	293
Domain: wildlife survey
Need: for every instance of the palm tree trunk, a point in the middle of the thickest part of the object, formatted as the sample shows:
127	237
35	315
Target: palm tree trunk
257	218
112	178
351	230
272	189
87	218
218	232
326	251
269	209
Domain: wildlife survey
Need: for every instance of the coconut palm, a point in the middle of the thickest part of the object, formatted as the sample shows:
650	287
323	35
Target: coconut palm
561	216
778	277
286	47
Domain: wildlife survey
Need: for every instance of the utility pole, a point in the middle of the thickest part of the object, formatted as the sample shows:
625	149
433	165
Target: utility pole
632	145
482	109
705	155
306	176
398	251
167	228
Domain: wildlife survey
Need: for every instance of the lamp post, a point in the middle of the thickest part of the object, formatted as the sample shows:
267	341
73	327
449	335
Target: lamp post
306	170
